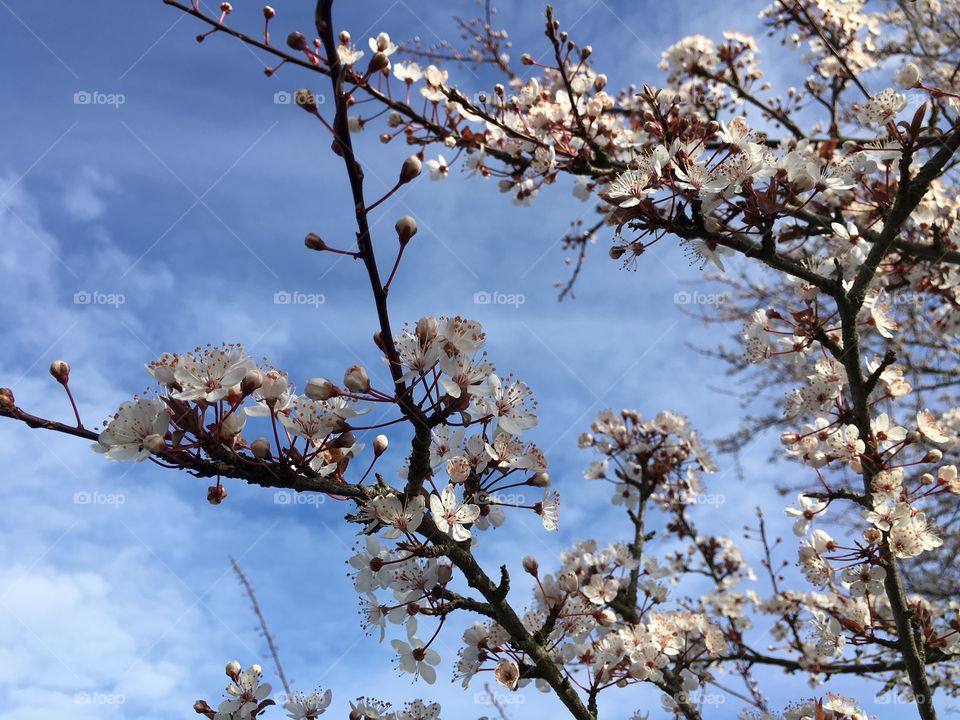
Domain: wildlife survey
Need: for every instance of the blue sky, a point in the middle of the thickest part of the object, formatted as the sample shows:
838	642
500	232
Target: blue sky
189	201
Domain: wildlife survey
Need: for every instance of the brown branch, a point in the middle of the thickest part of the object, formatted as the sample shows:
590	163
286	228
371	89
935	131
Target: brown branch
248	589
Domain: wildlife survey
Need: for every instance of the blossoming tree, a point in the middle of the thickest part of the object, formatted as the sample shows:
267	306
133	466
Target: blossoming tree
830	203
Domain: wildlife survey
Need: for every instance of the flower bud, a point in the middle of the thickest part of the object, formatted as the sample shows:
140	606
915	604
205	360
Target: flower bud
252	381
458	468
257	670
927	479
908	76
507	673
318	389
305	99
380	443
444	574
605	617
933	456
60	371
233	669
600	82
406	228
410	169
568	582
913	437
356	379
296	41
526	59
314	242
7	401
344	37
200	707
530	565
788	438
216	494
379	62
427	329
226	8
268	12
260	448
346	440
540	480
154	443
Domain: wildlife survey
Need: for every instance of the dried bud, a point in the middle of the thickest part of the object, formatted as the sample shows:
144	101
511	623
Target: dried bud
540	480
406	228
60	371
410	169
233	669
380	443
314	242
318	389
7	401
200	707
252	381
530	565
378	340
378	63
617	251
269	12
226	8
216	494
568	582
305	99
296	41
356	379
154	443
260	448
